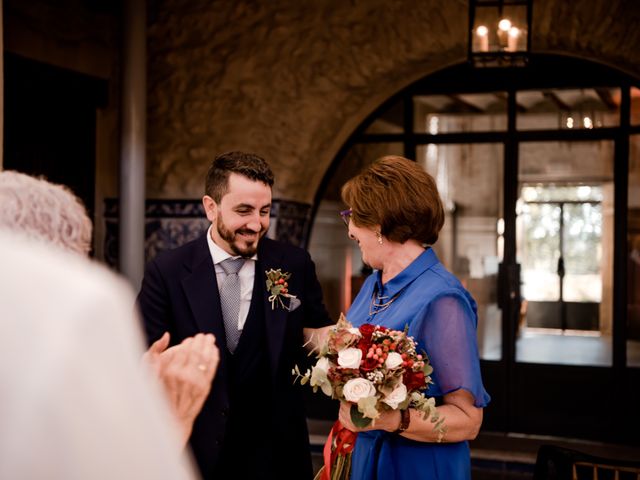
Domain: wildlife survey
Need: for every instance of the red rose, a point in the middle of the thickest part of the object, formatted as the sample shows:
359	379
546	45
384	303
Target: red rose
369	364
366	330
364	345
413	380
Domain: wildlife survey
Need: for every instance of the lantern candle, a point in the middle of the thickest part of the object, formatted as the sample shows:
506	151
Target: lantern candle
483	38
514	34
503	28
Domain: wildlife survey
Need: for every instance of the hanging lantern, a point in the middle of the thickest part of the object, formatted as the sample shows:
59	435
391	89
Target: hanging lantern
500	32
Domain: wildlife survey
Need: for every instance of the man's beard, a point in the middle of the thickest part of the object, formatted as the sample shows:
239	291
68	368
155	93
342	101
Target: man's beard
230	237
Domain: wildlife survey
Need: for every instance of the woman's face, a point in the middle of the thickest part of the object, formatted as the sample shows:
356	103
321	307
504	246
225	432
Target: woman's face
368	243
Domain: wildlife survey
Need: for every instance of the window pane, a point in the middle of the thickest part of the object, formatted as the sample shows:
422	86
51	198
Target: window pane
582	252
568	109
565	249
469	179
561	193
539	228
633	263
562	163
460	112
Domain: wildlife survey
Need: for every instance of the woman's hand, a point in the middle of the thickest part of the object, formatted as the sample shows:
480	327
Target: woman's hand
462	420
388	421
186	371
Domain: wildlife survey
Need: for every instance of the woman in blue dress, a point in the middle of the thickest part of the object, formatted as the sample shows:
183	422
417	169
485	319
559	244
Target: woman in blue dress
395	215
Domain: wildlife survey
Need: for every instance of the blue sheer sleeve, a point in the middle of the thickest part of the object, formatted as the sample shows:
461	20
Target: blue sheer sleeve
447	331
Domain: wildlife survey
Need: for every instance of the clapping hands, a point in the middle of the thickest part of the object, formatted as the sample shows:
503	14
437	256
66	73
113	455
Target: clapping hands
186	371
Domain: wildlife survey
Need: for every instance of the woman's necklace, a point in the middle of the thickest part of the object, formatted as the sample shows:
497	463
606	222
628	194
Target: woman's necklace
378	304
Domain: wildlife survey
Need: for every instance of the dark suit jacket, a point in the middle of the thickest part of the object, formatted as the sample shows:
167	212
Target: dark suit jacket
180	294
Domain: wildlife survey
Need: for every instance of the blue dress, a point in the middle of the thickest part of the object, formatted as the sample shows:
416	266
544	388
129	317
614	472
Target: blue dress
442	319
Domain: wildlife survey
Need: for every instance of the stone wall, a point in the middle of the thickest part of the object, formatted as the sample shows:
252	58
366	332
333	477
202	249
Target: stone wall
289	80
292	80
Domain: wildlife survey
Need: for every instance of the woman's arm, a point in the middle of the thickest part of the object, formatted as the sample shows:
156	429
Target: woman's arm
462	420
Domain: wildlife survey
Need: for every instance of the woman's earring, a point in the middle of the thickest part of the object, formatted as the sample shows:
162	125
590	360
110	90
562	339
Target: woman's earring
379	236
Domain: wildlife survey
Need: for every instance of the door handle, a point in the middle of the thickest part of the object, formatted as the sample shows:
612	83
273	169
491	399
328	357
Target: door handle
560	269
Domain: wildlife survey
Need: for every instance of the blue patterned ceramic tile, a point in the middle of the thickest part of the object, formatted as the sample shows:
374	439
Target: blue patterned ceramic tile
171	223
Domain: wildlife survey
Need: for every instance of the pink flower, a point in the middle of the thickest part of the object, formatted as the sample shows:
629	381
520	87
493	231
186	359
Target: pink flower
342	338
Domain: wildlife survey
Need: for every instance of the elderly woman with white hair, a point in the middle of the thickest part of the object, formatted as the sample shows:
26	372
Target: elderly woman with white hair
53	215
44	211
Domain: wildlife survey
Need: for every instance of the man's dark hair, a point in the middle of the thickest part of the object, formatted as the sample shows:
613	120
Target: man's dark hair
247	164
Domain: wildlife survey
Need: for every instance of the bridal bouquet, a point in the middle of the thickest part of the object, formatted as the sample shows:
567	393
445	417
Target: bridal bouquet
376	369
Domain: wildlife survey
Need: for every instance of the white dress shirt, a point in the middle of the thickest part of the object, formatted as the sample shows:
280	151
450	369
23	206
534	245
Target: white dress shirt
246	274
75	403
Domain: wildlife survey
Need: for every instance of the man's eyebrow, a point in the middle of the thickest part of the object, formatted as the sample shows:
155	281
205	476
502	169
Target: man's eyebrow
246	205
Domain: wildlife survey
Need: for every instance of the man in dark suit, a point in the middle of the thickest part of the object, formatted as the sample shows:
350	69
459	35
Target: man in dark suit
253	424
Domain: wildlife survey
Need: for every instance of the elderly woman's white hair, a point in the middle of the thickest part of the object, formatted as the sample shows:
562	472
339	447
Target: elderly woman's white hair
45	211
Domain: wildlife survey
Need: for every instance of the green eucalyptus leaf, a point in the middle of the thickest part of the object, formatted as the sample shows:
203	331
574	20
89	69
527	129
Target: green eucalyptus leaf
358	419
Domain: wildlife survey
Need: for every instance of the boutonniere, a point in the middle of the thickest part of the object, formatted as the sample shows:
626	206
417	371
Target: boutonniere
278	288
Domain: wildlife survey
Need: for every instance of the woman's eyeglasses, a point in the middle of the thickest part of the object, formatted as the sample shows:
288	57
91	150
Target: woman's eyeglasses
346	216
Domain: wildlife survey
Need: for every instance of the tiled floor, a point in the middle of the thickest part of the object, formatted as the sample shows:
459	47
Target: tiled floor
566	349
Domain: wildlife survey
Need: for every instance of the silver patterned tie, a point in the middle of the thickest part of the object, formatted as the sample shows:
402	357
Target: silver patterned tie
230	300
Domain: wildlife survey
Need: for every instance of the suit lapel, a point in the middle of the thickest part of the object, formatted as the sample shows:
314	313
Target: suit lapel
201	289
270	256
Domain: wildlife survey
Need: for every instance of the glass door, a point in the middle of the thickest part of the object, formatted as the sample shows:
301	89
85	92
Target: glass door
564	235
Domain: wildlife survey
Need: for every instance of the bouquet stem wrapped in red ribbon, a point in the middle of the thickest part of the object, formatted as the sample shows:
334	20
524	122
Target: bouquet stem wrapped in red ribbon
337	453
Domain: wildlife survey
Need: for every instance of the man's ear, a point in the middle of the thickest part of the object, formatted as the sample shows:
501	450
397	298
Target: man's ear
210	208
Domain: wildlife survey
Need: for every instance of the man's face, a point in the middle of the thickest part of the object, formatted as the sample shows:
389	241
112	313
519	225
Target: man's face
242	216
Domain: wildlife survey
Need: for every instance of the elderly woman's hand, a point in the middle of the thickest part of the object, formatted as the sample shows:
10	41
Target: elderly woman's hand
388	421
186	372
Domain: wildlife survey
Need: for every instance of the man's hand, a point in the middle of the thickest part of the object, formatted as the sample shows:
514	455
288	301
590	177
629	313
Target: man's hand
314	338
186	372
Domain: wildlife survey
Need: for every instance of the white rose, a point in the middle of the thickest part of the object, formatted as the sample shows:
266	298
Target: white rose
397	396
358	388
350	358
319	376
393	360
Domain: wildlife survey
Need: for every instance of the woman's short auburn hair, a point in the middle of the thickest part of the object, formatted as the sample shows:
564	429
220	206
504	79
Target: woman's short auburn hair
397	194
